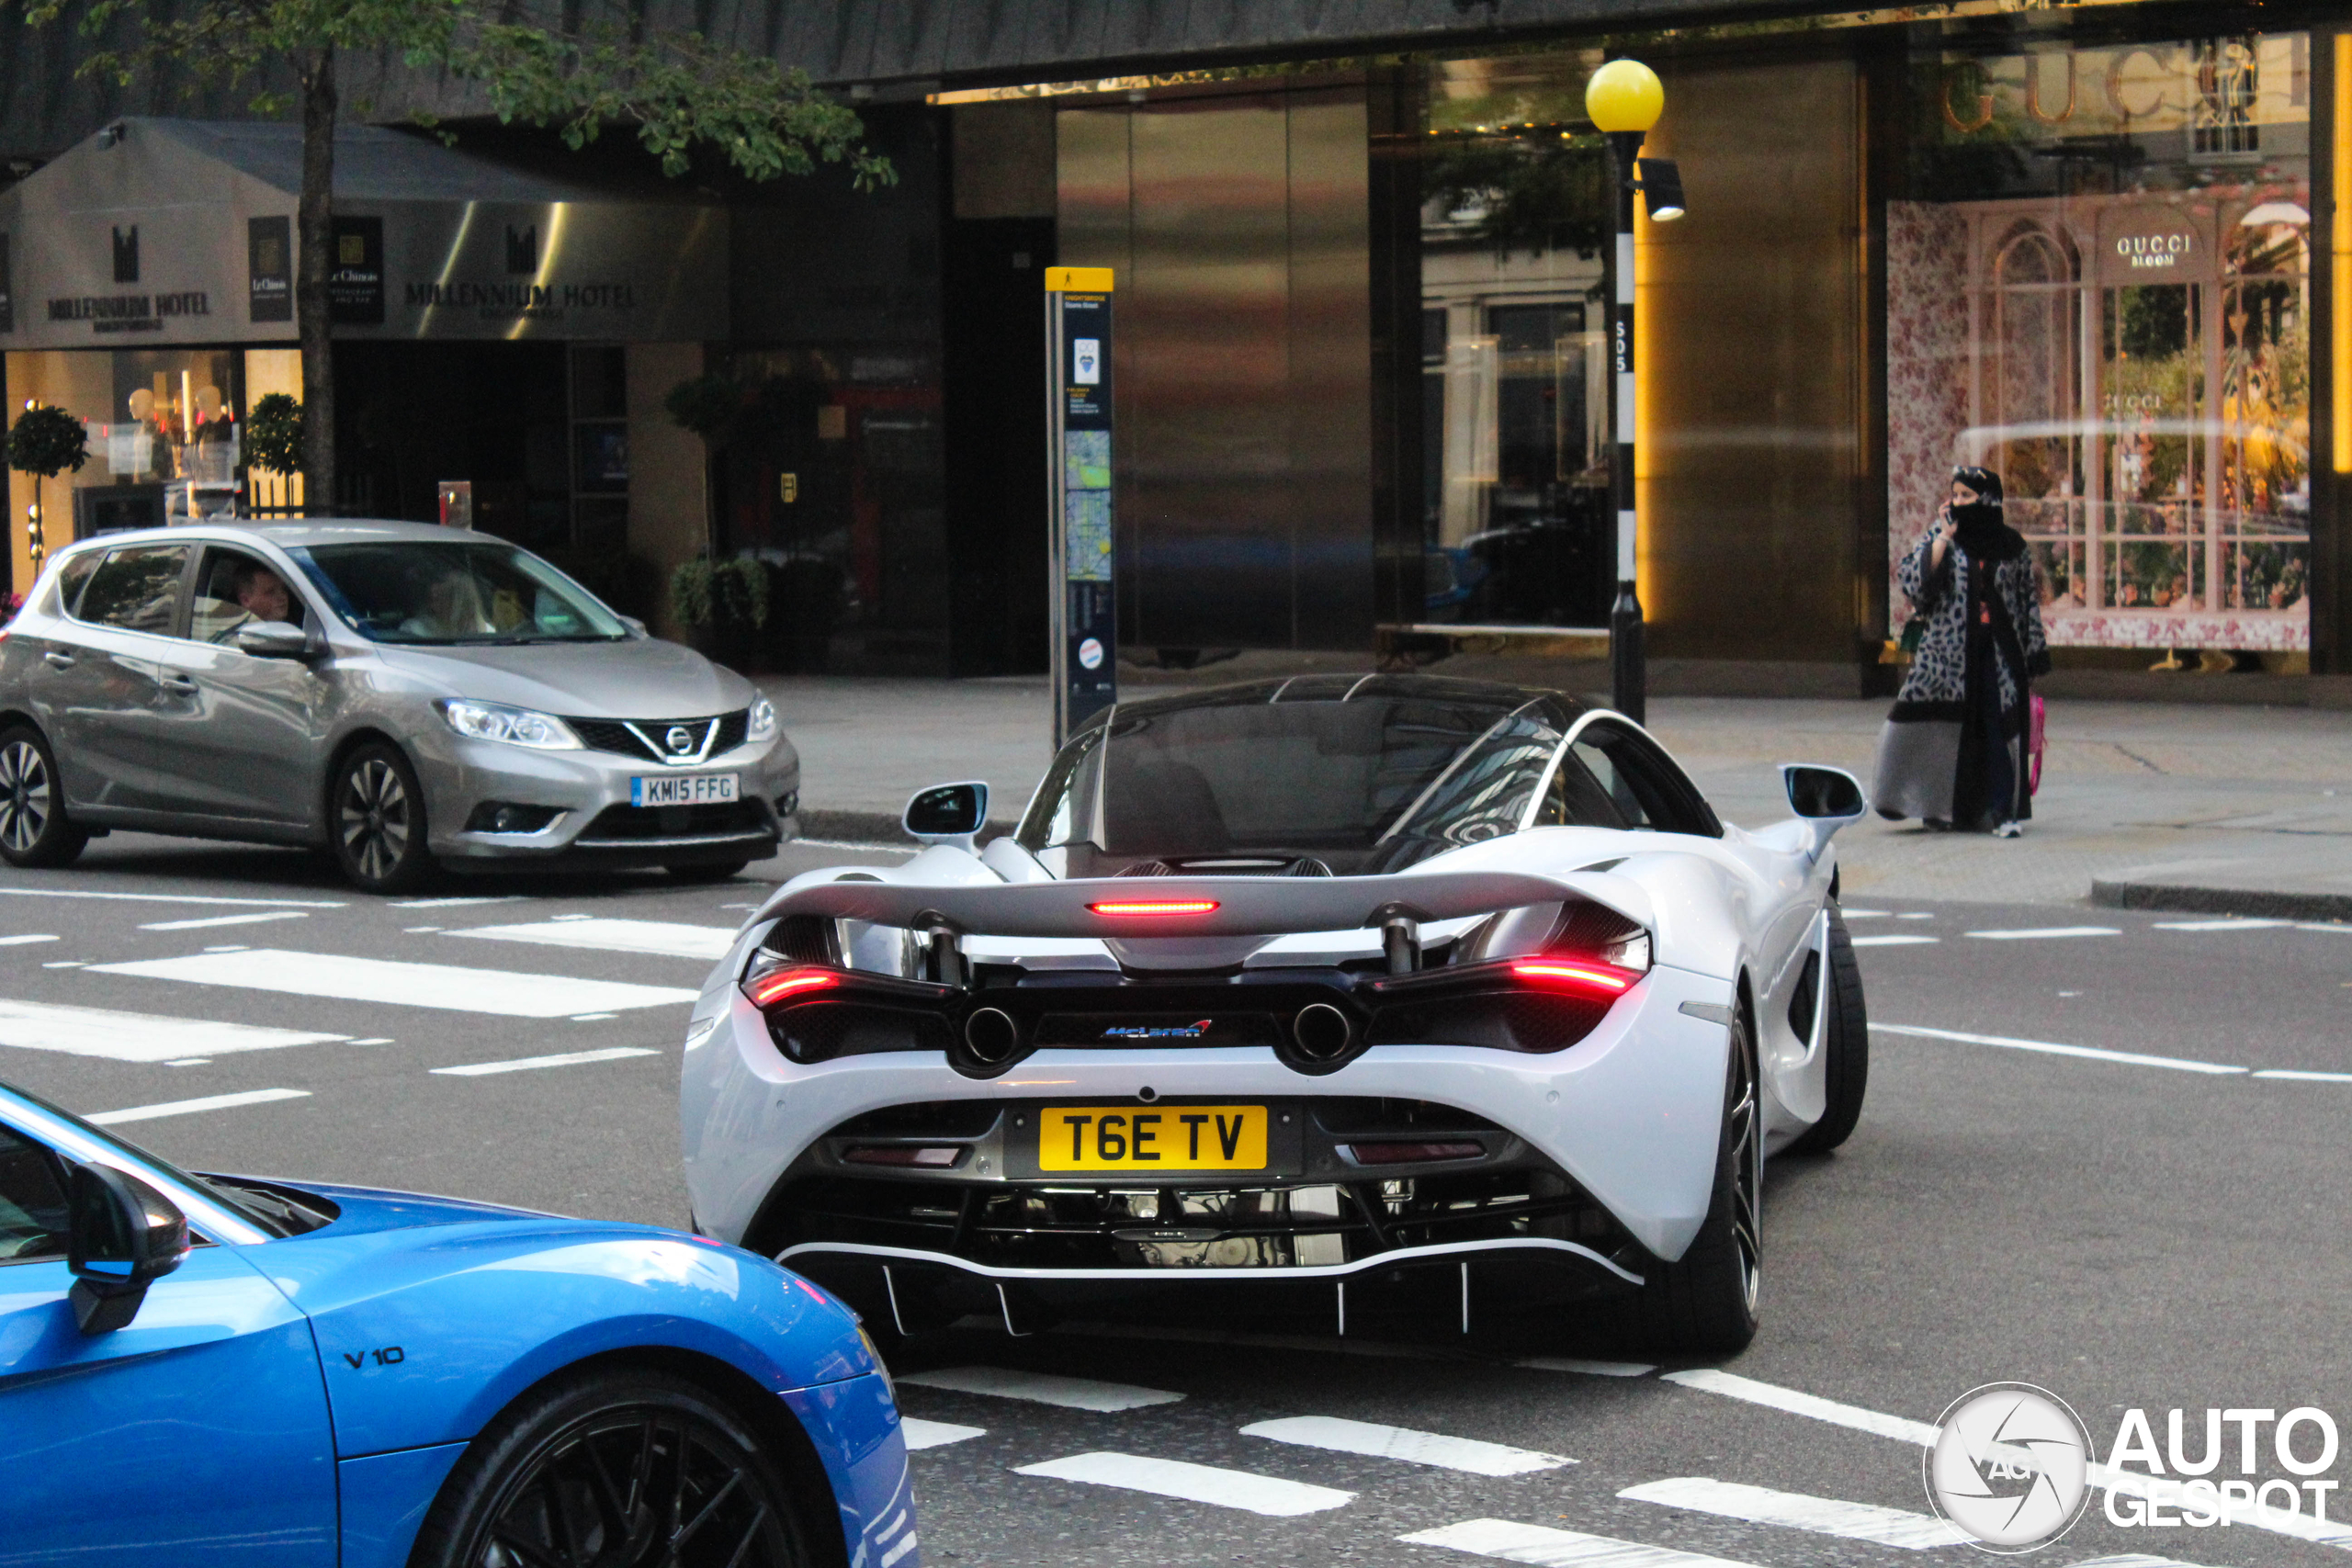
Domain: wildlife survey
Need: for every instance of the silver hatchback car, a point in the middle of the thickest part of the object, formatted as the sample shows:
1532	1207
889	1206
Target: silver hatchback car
398	693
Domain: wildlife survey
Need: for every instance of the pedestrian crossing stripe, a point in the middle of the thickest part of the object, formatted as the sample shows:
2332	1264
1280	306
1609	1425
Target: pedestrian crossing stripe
660	939
137	1037
1467	1454
1268	1495
1548	1548
505	993
1823	1516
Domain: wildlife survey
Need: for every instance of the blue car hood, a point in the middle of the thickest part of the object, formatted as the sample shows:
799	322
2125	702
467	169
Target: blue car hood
368	1209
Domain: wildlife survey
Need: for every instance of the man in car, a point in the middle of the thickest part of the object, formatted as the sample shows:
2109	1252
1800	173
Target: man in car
262	595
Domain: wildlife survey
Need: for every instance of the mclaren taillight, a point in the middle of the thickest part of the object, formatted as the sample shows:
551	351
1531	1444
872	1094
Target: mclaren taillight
786	984
1590	979
1155	907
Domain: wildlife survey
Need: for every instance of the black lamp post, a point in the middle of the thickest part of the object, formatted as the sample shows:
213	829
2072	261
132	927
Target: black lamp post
1624	99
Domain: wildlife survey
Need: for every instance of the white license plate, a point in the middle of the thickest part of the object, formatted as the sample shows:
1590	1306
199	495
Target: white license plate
684	789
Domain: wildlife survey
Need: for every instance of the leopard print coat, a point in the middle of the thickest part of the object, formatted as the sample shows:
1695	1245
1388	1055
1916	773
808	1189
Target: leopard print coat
1938	672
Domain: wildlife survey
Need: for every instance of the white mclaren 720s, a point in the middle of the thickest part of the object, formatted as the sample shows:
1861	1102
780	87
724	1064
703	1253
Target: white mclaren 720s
1396	994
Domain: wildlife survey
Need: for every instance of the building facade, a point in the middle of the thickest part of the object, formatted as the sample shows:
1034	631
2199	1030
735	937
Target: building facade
1360	275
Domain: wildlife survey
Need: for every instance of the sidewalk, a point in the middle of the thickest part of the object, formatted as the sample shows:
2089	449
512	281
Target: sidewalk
2228	809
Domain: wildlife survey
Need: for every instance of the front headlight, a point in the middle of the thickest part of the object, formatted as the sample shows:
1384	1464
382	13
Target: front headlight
763	720
516	727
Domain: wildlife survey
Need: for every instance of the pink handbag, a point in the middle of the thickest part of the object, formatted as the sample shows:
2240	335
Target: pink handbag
2033	743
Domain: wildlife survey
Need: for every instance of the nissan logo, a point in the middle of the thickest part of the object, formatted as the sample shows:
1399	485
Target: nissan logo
680	739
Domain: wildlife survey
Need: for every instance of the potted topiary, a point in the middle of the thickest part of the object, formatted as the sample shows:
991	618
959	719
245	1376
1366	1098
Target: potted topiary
45	442
723	605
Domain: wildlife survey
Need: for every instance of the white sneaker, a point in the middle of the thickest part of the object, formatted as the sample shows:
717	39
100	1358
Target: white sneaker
2009	831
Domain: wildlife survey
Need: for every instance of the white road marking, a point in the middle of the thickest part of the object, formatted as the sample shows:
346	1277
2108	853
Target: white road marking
2132	1560
191	1062
234	947
1863	914
2337	928
1893	941
137	1037
2129	1058
188	1107
592	1017
378	1040
23	941
2038	933
1375	1442
66	963
454	903
345	979
2297	1075
921	1434
1823	1516
1549	1548
567	1059
2229	925
1589	1369
1042	1388
1917	915
2129	1482
202	921
174	898
418	931
662	939
1195	1482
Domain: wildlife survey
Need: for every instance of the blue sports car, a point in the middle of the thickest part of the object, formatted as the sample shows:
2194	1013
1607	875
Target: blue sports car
209	1370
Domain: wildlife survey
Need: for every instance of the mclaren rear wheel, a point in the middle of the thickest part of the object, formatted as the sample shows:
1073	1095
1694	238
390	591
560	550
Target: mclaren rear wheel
1846	1048
1703	1304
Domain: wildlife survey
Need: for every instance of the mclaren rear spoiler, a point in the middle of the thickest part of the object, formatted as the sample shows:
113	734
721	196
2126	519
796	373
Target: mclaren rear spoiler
1132	908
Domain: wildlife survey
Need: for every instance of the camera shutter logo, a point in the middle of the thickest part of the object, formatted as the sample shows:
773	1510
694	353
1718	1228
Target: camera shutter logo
2010	1467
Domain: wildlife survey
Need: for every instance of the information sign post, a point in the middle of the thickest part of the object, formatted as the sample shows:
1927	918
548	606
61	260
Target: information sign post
1078	425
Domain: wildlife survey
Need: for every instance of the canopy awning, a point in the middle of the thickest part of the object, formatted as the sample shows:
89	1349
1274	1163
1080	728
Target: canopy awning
168	231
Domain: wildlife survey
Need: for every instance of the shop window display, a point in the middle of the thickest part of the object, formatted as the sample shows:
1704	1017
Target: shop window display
1517	525
2101	290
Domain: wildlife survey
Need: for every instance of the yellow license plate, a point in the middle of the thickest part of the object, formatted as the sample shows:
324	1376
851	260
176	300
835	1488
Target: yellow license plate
1133	1140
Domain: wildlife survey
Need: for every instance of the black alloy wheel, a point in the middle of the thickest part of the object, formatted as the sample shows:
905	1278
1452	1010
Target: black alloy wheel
375	820
1845	1045
616	1470
1704	1302
34	828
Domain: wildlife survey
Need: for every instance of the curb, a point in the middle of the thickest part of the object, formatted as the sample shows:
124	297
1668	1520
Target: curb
2266	902
882	830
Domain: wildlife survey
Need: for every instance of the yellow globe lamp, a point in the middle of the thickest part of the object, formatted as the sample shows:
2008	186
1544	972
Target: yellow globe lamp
1625	95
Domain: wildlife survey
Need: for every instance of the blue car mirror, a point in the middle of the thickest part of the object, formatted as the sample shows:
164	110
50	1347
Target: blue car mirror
121	1236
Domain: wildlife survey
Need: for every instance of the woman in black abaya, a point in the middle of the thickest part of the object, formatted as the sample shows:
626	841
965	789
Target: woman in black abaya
1954	751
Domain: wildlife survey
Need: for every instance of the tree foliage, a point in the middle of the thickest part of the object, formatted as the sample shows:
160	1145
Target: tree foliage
707	405
565	70
47	441
273	438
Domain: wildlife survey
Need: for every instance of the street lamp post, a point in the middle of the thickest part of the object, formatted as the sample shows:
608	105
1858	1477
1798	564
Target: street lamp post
1624	99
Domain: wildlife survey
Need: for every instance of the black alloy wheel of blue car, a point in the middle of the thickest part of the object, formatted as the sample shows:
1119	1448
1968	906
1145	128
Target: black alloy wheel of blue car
375	820
34	828
1703	1304
616	1470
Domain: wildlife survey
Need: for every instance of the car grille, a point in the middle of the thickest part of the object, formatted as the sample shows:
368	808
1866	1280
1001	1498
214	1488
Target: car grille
626	824
1102	1220
629	737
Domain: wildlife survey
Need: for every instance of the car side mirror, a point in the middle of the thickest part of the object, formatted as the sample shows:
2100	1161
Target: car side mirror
1820	793
948	814
272	639
121	1236
1824	800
